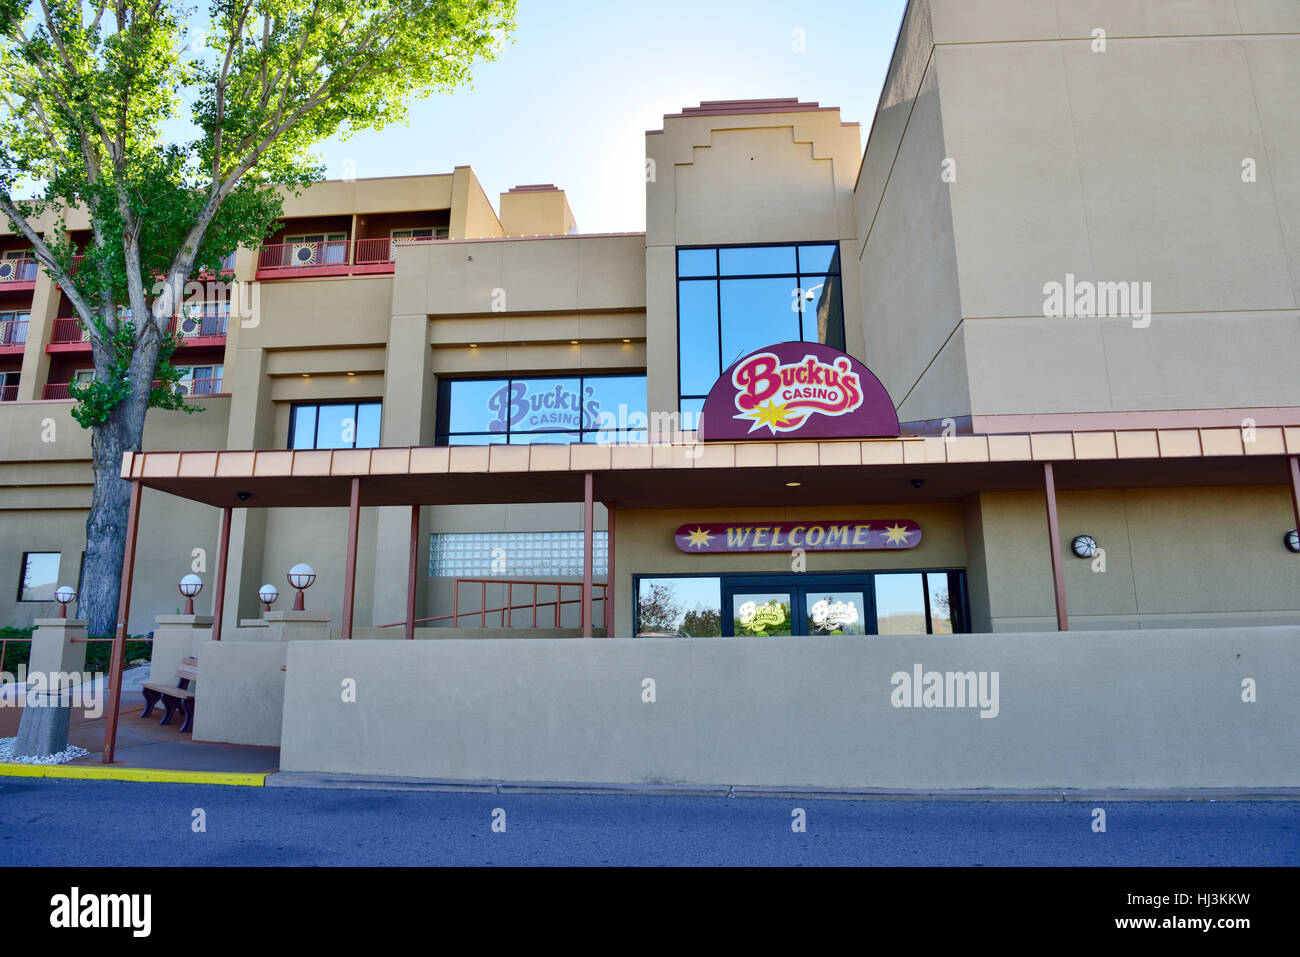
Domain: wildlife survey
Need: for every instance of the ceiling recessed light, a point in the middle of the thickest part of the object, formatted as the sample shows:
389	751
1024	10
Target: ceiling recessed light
573	342
627	340
351	374
473	345
793	484
306	375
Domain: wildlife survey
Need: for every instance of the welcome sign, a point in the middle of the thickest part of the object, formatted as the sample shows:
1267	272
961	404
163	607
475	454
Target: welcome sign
861	536
801	390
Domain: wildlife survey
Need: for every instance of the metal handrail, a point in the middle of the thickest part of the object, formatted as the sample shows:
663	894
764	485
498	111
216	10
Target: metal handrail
507	610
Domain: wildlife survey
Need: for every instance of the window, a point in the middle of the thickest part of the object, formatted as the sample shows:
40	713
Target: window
201	380
317	249
335	425
564	409
17	265
732	300
40	576
203	319
514	554
13	327
82	377
826	604
418	234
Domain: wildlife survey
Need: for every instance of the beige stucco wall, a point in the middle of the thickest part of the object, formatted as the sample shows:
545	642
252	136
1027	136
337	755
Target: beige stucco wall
747	178
1158	709
1174	558
1117	165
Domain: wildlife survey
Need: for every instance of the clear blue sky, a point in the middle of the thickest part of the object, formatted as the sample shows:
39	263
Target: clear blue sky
570	100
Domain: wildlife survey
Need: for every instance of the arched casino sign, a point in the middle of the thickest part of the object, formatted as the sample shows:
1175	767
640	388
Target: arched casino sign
797	390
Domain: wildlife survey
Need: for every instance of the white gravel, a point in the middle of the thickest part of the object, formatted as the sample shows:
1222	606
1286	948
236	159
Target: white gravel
70	753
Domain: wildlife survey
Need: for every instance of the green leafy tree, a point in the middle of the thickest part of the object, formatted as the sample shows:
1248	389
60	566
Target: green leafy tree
85	91
703	623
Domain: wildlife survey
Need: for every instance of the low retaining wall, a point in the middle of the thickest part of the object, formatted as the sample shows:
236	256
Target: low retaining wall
1134	709
241	692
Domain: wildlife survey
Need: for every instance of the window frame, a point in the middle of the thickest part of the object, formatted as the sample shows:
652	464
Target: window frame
718	277
356	416
443	434
22	575
729	581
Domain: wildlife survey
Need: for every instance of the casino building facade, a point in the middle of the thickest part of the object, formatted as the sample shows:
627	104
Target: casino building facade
1035	356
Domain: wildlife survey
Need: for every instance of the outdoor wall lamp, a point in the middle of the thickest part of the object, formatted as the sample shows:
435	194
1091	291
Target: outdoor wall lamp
190	586
1292	540
267	595
300	577
1084	546
63	594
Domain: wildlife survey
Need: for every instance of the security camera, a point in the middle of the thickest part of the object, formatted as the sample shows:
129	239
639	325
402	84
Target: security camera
243	496
918	483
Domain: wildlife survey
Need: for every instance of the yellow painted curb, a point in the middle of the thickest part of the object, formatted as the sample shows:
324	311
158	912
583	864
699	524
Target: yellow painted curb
114	773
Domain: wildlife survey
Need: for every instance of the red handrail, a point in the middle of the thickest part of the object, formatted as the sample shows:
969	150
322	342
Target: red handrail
507	610
304	255
24	270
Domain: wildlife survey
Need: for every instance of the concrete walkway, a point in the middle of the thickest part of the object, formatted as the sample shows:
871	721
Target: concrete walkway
144	745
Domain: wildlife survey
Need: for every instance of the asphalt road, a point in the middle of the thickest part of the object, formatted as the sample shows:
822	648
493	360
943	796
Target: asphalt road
92	823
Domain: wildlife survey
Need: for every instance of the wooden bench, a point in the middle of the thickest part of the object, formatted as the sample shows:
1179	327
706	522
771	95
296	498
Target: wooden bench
181	696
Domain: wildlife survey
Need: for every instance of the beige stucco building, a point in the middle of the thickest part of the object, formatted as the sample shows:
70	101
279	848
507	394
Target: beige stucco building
1058	247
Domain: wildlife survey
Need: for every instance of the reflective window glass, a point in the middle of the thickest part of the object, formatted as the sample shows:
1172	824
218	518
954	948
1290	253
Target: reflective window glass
756	261
900	604
940	603
819	259
303	433
756	313
697	262
368	425
40	576
478	405
697	304
686	605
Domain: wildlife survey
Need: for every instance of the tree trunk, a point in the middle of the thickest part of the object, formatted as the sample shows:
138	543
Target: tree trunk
123	431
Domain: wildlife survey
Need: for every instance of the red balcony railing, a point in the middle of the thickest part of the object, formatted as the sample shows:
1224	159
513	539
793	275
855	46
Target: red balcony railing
304	255
69	330
212	386
17	270
380	250
209	322
13	332
9	393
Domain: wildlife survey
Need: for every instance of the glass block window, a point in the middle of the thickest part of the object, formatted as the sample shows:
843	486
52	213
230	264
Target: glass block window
514	554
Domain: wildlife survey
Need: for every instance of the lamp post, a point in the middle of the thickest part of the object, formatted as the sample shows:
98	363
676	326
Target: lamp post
64	594
267	595
301	577
190	586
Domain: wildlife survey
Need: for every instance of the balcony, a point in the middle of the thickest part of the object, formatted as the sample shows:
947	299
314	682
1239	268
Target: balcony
17	275
206	327
13	336
333	258
59	390
9	392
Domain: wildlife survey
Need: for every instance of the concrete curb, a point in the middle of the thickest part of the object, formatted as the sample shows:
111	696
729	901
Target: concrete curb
299	779
111	773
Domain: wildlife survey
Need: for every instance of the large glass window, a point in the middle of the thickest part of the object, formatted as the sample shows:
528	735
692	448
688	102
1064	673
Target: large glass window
831	603
335	425
610	409
732	300
40	576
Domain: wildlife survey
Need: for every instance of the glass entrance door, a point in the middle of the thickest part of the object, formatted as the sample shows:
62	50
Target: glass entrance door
778	606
